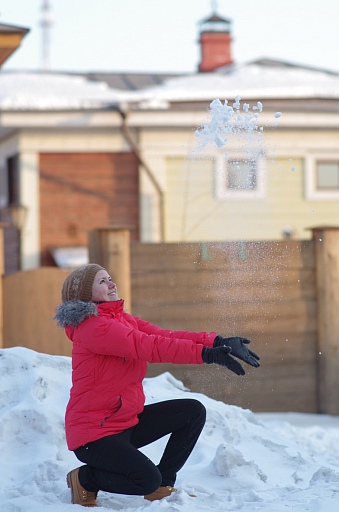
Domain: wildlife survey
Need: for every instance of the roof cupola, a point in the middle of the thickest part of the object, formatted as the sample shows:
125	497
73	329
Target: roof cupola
215	43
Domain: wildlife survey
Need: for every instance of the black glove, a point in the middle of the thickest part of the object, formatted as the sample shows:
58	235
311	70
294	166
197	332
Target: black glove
220	355
238	349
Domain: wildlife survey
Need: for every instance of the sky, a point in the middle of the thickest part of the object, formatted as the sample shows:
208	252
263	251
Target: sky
243	461
162	35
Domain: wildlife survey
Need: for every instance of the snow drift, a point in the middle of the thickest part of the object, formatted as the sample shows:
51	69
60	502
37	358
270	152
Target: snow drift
243	461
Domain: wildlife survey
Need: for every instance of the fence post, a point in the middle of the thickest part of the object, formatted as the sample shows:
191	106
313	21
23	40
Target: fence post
2	273
326	242
110	248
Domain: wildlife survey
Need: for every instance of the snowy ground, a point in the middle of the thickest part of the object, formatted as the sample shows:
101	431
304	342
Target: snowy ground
242	462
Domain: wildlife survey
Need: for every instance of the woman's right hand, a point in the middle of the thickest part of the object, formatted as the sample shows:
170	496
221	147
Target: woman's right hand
221	356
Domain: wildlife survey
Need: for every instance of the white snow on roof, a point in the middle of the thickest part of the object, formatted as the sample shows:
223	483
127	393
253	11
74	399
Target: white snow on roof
53	91
248	81
42	91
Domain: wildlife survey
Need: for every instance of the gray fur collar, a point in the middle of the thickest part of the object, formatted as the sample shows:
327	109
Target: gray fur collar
72	313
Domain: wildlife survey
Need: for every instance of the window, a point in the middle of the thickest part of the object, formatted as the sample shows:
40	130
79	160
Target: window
241	174
3	184
9	181
239	178
328	175
322	177
13	179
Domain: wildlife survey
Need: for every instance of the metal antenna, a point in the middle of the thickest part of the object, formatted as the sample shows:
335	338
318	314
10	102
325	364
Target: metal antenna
46	24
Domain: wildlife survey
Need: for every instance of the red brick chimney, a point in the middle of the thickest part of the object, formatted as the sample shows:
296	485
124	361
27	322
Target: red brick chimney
215	43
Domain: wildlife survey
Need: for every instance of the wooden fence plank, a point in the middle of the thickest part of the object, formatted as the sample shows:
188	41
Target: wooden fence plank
233	255
283	317
28	313
272	388
220	286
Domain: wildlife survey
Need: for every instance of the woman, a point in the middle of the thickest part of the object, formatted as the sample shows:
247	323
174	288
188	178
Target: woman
106	419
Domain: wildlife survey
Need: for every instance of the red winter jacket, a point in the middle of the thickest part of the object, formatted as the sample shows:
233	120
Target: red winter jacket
109	360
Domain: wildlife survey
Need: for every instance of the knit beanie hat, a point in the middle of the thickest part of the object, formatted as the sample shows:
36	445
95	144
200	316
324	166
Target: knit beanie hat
78	285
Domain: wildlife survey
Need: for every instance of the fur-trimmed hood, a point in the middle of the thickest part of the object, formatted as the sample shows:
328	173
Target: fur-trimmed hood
72	313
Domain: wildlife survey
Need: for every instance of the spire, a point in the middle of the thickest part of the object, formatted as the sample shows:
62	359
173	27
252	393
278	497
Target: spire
214	5
46	24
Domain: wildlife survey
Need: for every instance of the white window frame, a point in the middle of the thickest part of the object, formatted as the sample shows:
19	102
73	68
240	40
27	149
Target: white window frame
311	191
223	193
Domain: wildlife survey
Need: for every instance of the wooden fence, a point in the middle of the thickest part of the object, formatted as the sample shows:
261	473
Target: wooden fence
30	299
263	290
266	291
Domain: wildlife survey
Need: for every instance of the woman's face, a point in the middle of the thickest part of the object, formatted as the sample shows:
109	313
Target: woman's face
103	288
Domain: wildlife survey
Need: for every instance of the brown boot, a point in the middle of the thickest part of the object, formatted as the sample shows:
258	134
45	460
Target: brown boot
79	495
160	493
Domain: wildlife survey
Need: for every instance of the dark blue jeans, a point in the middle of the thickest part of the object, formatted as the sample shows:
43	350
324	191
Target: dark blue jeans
115	464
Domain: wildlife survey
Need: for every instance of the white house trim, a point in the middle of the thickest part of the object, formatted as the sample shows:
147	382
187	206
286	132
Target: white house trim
311	191
222	193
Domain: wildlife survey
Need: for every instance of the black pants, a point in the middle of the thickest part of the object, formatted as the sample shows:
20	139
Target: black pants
115	464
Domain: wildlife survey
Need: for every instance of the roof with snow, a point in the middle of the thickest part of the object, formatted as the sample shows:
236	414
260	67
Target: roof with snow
53	91
253	80
263	79
129	81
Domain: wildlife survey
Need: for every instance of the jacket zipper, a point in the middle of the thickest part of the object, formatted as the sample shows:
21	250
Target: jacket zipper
108	417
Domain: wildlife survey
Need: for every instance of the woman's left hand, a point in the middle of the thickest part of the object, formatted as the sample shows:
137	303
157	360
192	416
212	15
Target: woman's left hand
238	349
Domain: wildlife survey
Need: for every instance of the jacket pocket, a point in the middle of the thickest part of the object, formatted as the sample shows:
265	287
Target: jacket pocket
111	411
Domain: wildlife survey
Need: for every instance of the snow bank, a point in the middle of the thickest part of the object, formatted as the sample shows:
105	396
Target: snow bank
242	461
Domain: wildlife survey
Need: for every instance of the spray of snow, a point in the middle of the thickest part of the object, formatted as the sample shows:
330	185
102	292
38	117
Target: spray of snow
235	135
228	119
